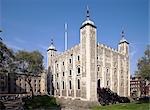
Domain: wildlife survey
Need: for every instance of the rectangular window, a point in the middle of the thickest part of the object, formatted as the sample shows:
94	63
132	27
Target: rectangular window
70	85
78	84
63	63
78	70
63	85
63	73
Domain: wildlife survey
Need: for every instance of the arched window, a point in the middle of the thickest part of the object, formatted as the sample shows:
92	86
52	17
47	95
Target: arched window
98	69
69	60
78	83
115	71
70	72
57	85
78	57
70	85
63	85
107	83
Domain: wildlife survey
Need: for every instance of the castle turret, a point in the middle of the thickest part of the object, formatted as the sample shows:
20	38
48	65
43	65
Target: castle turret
88	59
51	53
123	46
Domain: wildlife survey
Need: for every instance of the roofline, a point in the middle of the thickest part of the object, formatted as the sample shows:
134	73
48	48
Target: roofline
88	24
51	49
124	42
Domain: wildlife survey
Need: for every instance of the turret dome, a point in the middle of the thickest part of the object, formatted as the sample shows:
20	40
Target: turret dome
51	47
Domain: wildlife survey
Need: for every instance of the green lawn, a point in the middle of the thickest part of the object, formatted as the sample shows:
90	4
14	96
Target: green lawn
124	106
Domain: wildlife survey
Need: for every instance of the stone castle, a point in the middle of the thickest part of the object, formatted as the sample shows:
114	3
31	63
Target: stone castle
78	72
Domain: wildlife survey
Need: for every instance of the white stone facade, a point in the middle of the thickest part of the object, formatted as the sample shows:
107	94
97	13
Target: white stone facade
79	71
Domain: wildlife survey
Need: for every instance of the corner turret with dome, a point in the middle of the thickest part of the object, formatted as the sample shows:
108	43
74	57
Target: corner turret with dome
123	40
88	21
123	46
51	47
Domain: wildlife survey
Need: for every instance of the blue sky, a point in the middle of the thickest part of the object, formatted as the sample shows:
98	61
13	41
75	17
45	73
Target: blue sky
30	24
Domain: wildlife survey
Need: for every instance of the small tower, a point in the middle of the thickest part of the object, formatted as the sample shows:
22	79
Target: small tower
51	52
88	56
123	45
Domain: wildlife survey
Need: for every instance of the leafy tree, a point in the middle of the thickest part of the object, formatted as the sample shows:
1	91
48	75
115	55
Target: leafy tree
30	63
7	63
144	65
6	58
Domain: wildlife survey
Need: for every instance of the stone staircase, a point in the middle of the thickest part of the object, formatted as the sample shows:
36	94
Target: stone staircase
13	104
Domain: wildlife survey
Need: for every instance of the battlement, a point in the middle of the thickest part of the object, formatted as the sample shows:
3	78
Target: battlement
109	48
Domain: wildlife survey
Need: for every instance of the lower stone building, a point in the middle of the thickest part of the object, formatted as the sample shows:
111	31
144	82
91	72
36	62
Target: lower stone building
139	87
22	83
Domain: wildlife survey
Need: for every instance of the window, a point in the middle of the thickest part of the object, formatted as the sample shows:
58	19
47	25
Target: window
107	83
2	77
78	58
57	85
78	70
107	70
70	85
115	71
78	83
98	83
63	73
121	83
63	62
57	75
69	60
98	69
63	85
70	72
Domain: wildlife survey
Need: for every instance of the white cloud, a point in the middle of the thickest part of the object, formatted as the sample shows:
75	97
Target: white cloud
19	40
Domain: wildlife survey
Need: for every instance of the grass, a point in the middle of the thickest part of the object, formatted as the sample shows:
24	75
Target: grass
125	106
40	102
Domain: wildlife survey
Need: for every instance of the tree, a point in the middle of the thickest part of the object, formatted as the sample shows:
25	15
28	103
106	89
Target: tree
144	65
6	64
30	63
